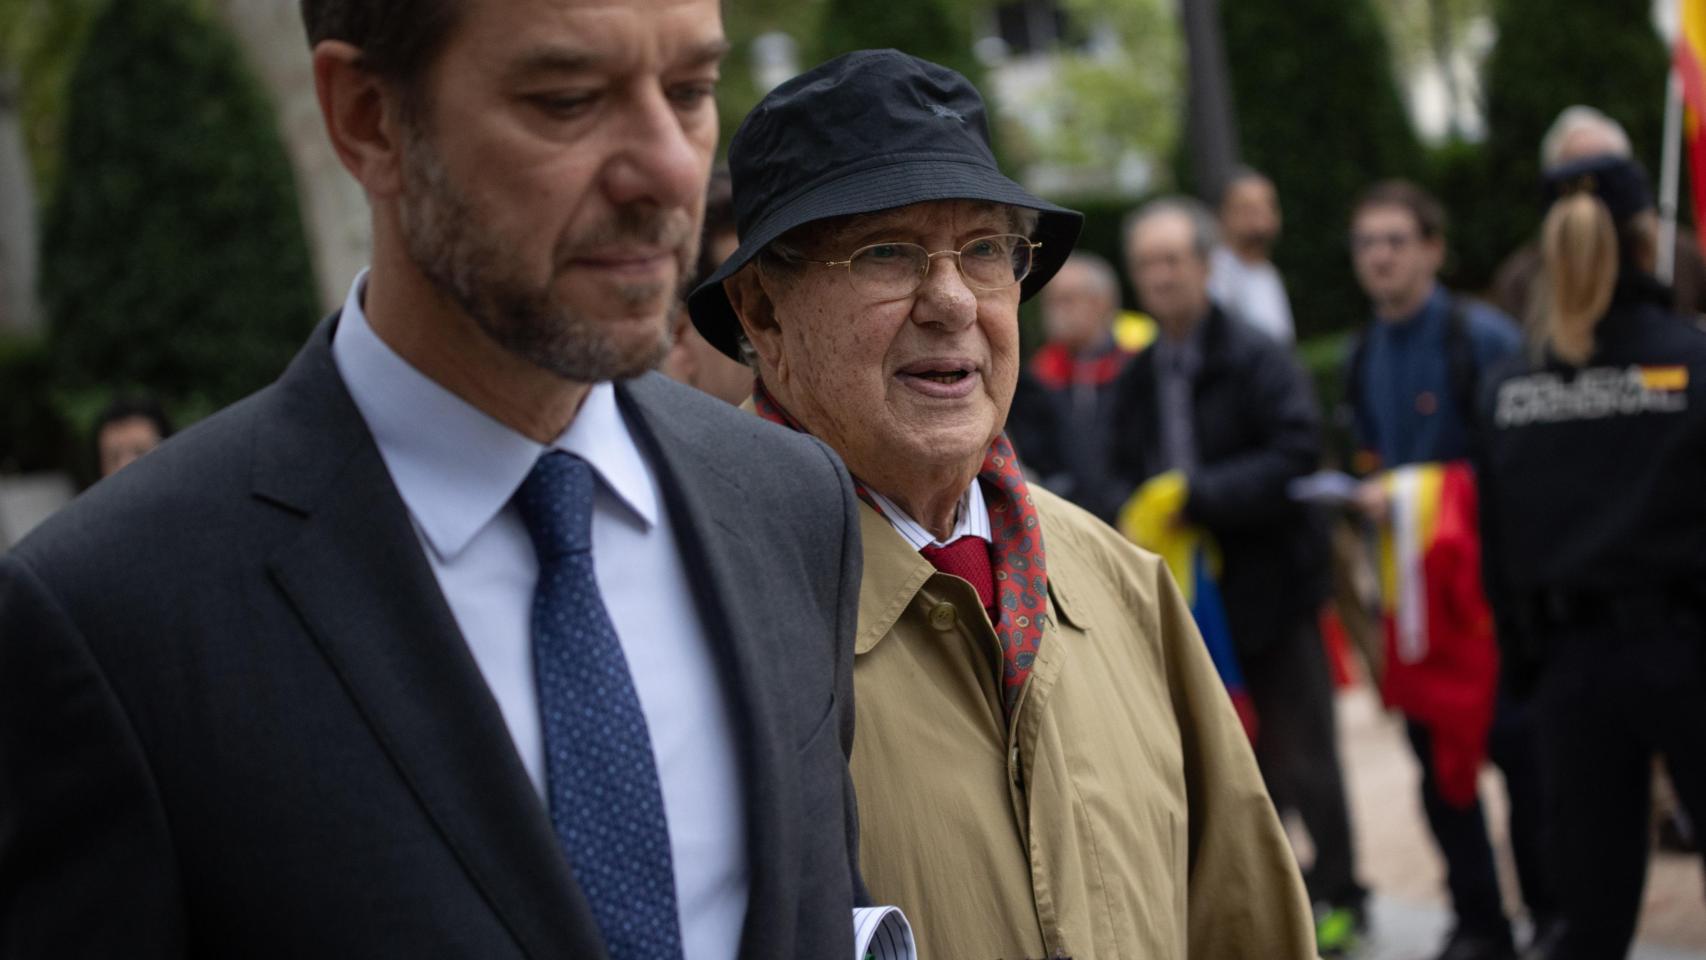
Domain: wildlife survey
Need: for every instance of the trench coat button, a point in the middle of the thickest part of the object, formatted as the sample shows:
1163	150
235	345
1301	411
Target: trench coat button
943	616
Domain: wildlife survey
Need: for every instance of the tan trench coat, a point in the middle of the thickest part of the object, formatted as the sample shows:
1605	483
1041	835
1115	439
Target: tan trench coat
1119	815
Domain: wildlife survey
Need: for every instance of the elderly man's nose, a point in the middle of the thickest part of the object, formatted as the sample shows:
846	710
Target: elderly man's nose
944	299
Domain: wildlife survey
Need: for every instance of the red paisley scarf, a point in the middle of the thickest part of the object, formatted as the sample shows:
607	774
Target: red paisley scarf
1021	575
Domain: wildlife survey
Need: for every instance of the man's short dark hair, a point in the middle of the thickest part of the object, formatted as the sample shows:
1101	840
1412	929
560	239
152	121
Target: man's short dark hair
398	39
1429	215
125	406
1240	174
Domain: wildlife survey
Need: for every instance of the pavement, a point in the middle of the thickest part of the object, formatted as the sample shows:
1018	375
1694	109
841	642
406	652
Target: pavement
1397	860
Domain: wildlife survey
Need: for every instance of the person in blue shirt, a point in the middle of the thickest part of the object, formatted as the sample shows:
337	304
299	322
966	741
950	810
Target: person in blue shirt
1409	409
1411	386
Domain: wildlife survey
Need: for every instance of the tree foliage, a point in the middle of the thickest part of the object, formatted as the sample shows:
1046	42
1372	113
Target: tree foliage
1111	92
1551	54
1318	111
40	40
1424	30
174	253
739	91
940	31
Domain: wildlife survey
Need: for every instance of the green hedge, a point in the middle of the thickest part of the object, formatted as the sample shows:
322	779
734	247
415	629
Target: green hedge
936	30
1323	358
34	435
1318	111
1551	54
174	256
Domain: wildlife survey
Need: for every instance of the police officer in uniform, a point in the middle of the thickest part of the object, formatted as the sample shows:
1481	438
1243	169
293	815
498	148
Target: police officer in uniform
1594	522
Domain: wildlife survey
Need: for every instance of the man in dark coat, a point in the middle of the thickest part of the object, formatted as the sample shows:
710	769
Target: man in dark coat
467	637
1229	408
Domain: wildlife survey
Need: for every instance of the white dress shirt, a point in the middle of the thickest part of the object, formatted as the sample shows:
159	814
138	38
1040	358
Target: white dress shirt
1252	292
972	519
456	470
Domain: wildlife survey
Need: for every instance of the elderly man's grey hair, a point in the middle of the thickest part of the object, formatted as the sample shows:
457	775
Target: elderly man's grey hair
1240	174
1581	117
1205	232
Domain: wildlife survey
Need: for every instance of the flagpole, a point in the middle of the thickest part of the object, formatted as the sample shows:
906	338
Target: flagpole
1668	178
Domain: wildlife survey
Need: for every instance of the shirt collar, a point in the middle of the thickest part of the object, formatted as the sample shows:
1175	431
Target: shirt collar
454	466
1434	304
972	519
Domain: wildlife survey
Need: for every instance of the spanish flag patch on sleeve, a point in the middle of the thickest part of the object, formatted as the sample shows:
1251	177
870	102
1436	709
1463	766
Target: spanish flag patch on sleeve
1666	379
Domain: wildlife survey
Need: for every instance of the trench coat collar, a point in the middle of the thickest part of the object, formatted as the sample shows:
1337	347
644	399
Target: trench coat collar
895	572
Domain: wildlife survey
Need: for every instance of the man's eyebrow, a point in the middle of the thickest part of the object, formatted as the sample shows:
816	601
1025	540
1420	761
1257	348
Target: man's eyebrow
865	228
561	60
553	60
870	228
705	54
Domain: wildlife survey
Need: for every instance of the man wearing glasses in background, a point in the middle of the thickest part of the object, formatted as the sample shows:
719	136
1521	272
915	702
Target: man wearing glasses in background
1411	385
1045	761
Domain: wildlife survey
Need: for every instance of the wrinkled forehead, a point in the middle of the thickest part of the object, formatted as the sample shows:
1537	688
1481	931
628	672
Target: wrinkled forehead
524	40
1590	139
1251	191
1076	279
1386	217
1165	232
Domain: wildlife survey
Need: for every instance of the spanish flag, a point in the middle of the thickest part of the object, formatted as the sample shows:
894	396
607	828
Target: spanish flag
1442	660
1690	57
1150	519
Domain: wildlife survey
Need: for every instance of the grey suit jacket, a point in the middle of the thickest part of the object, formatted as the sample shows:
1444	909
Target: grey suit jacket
237	718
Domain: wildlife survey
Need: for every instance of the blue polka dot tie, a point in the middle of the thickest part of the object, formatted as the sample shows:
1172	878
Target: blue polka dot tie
601	778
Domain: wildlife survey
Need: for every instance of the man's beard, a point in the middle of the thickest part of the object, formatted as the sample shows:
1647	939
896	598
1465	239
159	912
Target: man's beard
450	244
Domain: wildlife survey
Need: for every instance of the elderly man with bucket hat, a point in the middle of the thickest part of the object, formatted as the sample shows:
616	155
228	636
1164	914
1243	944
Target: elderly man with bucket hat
1045	761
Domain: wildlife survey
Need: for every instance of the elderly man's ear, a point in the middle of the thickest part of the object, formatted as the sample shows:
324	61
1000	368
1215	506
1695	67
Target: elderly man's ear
757	312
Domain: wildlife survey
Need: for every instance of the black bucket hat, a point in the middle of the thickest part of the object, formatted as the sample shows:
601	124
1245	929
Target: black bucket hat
866	131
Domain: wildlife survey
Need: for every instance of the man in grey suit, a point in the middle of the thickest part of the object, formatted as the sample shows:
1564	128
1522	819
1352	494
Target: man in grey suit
468	637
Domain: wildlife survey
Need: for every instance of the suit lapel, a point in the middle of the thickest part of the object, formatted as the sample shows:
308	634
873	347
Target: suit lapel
361	584
704	499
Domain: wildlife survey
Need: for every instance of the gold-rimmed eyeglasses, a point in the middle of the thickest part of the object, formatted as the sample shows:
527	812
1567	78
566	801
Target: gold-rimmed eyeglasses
893	271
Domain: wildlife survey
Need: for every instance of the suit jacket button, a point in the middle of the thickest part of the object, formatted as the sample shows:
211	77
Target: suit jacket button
943	616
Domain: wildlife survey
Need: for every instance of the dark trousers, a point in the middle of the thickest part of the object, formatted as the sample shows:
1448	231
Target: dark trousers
1615	689
1471	873
1299	755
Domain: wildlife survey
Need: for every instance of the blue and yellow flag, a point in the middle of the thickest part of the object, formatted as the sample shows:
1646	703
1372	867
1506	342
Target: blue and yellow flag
1153	519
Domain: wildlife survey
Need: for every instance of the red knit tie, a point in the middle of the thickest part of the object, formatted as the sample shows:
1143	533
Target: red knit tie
968	559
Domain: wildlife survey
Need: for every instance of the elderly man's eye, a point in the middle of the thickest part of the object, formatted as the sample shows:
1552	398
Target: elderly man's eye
988	248
884	251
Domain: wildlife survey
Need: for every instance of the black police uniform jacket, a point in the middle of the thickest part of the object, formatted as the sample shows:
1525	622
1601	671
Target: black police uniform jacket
1593	480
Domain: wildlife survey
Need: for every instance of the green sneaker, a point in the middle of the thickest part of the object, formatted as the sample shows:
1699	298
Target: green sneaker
1338	930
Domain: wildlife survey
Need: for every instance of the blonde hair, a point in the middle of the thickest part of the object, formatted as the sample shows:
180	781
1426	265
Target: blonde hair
1579	253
